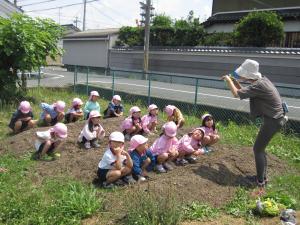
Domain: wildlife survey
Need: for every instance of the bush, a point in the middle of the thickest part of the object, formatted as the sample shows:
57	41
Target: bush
259	29
218	39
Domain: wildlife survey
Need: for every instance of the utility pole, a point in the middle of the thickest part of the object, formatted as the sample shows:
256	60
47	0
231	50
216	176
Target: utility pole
146	14
76	21
84	14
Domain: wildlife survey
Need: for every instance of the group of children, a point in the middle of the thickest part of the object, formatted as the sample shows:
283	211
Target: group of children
118	164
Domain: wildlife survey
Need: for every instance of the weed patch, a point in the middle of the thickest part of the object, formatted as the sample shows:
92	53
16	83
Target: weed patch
202	212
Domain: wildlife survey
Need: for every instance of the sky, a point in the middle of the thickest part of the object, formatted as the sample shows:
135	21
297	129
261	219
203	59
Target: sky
112	13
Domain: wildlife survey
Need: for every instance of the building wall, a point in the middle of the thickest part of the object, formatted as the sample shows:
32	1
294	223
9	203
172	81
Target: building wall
6	9
85	53
237	5
291	26
221	27
281	69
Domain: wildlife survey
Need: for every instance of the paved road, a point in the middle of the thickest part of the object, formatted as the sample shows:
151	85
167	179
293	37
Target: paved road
186	93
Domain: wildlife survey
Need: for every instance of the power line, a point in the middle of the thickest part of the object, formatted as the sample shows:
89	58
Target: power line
108	16
37	3
115	11
64	6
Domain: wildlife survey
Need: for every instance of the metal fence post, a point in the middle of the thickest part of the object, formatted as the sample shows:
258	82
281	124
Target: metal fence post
87	80
196	95
149	88
113	83
39	79
75	75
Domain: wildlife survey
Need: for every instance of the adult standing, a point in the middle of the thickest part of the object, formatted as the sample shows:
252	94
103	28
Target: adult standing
266	103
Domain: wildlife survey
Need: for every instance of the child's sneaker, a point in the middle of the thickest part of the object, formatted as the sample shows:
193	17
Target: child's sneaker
128	179
127	137
181	162
207	150
107	185
141	178
191	159
168	166
95	144
87	145
160	168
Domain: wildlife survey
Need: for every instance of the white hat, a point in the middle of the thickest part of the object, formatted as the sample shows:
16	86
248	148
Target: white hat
117	136
116	97
249	69
134	109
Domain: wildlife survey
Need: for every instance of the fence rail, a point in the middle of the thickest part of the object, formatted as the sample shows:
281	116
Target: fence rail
213	49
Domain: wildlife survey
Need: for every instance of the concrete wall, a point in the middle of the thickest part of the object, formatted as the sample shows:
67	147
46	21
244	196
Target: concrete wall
86	53
280	69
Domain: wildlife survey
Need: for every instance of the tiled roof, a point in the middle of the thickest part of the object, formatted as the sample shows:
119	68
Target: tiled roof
94	33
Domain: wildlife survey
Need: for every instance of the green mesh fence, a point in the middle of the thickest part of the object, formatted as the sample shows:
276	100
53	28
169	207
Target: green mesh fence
194	95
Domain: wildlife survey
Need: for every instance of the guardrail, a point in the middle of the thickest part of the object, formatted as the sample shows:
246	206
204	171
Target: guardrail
219	50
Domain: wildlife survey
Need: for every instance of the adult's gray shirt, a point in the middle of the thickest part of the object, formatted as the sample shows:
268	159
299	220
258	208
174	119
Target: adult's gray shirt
264	99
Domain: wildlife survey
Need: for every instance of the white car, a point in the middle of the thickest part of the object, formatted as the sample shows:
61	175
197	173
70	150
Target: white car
32	74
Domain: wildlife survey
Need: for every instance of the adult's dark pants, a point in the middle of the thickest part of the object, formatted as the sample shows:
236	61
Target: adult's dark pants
267	130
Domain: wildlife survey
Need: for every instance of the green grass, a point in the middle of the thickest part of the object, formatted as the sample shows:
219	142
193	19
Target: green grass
53	202
149	208
68	202
238	206
201	212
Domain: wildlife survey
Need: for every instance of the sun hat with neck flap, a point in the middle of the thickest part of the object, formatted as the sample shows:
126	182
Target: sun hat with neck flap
249	70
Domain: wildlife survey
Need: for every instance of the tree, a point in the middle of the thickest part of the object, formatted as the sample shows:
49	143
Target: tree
188	32
162	20
131	36
259	29
24	45
164	32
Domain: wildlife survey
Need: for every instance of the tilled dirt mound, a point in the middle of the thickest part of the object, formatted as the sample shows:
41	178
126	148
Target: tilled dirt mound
213	179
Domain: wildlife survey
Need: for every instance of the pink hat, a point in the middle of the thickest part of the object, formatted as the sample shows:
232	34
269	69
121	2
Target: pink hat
60	129
93	93
198	128
116	97
76	101
151	107
169	109
205	115
134	109
137	140
94	114
25	107
60	106
170	129
117	136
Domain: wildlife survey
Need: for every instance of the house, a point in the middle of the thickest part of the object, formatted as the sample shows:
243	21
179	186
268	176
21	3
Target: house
89	48
68	29
7	8
224	16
